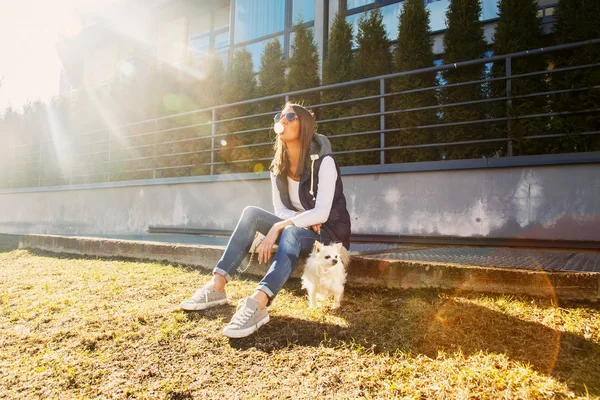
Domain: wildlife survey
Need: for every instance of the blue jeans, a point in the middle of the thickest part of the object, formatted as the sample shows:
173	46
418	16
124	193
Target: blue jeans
292	243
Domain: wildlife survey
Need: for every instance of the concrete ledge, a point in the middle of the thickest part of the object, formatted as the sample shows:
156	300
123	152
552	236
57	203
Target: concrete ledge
363	271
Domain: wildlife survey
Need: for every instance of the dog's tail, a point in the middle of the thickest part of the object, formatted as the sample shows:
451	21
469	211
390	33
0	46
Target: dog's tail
345	256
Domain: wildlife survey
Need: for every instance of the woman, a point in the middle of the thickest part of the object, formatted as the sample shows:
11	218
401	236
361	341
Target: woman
309	205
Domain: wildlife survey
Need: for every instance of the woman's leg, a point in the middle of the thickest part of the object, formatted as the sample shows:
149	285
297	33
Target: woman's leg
252	314
293	242
212	294
253	220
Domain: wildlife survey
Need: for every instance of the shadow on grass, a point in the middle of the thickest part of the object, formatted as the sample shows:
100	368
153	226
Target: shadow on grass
435	324
421	322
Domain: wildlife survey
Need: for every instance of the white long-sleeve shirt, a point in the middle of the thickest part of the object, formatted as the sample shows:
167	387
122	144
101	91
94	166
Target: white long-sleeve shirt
325	192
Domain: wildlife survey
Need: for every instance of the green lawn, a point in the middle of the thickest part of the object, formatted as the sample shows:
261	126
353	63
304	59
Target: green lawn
75	327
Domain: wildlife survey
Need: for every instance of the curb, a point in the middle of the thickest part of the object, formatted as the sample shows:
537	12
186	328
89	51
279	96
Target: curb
362	271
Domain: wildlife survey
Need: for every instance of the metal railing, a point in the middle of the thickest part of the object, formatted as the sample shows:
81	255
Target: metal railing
209	150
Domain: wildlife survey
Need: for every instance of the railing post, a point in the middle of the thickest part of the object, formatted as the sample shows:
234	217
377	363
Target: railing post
109	156
40	165
213	132
154	149
14	166
509	147
382	120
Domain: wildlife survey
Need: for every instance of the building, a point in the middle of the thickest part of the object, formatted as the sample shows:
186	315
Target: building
136	36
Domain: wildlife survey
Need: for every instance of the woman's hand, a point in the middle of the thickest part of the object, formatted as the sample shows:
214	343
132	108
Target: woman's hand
264	249
317	228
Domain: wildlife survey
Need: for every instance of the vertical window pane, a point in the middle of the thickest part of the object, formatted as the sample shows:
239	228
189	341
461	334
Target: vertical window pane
258	18
390	20
437	17
350	4
490	9
199	46
222	39
353	20
222	18
224	56
303	10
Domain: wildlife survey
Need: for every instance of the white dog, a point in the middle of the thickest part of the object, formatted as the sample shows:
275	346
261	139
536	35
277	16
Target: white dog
325	273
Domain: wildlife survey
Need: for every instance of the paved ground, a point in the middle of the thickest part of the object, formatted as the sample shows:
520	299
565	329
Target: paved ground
547	260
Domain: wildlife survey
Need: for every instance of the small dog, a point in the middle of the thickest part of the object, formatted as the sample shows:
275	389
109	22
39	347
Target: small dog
325	273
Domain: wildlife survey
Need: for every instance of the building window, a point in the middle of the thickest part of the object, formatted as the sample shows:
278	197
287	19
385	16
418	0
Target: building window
391	10
259	21
209	31
303	10
258	18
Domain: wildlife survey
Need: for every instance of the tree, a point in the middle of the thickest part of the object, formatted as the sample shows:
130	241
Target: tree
414	51
373	58
239	85
577	20
304	64
271	76
519	29
337	68
464	40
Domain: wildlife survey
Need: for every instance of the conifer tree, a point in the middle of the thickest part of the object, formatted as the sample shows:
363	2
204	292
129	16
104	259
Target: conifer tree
577	20
239	85
519	29
303	64
463	41
373	58
271	76
414	51
337	68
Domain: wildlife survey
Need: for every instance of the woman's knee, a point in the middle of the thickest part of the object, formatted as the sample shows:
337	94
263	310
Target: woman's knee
252	212
289	234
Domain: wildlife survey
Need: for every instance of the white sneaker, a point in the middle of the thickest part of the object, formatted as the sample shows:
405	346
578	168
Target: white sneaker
204	298
247	319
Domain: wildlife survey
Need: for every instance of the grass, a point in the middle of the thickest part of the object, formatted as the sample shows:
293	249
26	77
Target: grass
74	327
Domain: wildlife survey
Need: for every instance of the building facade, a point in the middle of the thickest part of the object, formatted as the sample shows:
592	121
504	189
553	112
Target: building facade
179	33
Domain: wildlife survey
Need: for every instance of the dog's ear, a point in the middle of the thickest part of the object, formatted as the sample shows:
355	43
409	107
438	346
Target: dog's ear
338	246
317	246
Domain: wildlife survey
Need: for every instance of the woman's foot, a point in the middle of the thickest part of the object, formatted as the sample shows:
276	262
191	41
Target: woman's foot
247	319
206	297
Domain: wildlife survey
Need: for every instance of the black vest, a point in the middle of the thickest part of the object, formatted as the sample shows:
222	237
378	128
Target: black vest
338	224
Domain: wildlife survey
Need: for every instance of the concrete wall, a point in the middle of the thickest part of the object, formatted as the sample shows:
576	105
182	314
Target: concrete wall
559	202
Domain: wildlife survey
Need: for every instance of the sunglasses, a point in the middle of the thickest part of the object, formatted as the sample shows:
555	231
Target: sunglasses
289	116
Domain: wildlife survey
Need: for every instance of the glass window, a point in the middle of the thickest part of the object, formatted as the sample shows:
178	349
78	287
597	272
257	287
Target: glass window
489	10
224	56
549	11
221	39
353	20
222	18
303	10
199	45
437	15
391	14
350	4
258	18
199	24
257	49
